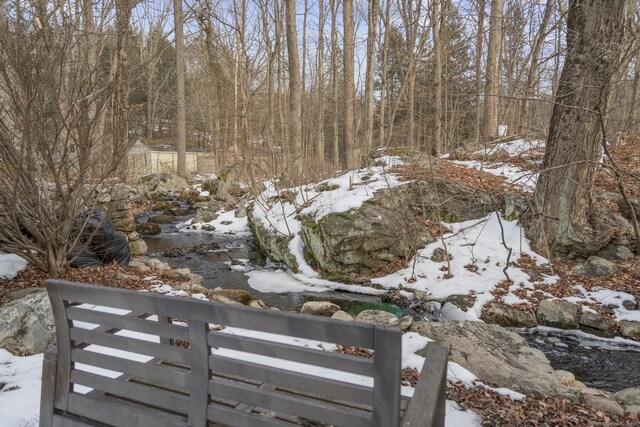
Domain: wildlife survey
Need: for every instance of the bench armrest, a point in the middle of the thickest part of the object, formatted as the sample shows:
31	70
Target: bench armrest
427	407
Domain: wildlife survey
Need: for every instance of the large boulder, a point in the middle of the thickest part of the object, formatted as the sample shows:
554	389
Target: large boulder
596	267
164	184
630	329
505	315
558	314
362	241
26	324
496	355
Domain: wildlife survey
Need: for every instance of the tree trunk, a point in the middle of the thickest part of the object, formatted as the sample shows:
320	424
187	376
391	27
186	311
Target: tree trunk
384	74
295	90
437	78
371	67
349	85
478	69
335	152
320	74
566	218
532	75
120	119
492	88
181	119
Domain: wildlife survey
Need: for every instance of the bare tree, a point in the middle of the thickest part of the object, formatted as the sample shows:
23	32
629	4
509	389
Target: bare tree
181	119
372	20
295	89
566	216
491	89
349	85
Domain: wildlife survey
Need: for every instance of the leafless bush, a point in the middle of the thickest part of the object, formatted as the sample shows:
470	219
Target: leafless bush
51	112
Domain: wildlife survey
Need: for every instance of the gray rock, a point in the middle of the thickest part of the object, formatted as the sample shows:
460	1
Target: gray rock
133	236
148	229
181	274
463	302
628	396
630	329
138	247
496	355
595	266
440	255
377	317
161	219
601	402
558	314
26	324
404	322
319	308
158	265
593	322
126	224
633	410
164	184
612	251
341	315
507	316
630	304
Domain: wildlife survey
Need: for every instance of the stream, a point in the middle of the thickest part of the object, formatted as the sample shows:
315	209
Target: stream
603	363
597	362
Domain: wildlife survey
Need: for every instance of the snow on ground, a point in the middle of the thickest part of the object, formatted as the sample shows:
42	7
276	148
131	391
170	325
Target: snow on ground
11	265
226	223
609	297
515	147
20	398
473	245
516	176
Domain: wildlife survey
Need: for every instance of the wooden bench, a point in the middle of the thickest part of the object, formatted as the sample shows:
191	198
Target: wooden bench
181	369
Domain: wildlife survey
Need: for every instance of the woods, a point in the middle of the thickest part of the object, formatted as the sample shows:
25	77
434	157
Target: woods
300	89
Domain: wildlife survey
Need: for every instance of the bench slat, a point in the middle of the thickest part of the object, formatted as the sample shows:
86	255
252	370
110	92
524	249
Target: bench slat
71	421
132	324
291	324
129	390
315	410
326	359
120	413
166	352
228	416
293	380
162	374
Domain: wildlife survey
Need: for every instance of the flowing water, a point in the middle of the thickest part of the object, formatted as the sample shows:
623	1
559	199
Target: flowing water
606	364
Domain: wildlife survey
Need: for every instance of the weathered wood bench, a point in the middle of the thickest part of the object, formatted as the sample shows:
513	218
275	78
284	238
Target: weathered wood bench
168	366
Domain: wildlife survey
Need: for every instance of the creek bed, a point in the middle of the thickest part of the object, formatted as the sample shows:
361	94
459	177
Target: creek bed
214	268
606	364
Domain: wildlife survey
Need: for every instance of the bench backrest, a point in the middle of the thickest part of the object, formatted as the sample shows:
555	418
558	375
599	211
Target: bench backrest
200	374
